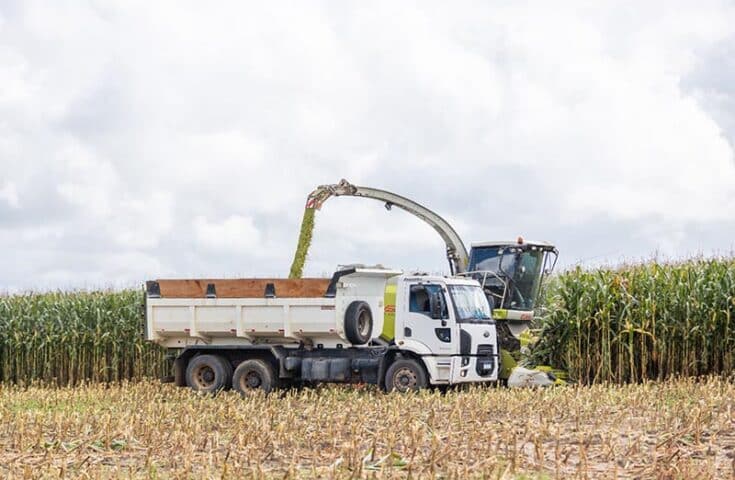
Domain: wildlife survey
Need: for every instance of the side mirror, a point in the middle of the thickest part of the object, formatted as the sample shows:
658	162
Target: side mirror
436	304
548	269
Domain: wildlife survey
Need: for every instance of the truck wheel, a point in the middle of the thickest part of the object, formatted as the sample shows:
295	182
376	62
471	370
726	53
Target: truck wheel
207	373
253	375
358	323
227	365
406	374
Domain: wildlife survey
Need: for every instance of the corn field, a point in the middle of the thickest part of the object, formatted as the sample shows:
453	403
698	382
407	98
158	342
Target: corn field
679	429
65	338
648	321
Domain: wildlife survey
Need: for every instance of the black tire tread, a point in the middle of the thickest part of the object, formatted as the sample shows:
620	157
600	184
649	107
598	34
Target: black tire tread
422	376
352	315
216	363
227	365
264	369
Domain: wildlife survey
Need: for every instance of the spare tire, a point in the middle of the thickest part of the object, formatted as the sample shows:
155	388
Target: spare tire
358	323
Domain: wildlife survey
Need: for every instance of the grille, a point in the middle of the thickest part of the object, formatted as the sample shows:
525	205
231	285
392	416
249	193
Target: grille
486	360
486	350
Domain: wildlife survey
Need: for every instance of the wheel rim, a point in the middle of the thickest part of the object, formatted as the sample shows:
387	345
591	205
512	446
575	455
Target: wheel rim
405	379
250	380
363	324
204	377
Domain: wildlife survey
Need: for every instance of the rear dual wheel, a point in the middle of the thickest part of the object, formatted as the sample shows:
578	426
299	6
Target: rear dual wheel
253	375
212	373
209	373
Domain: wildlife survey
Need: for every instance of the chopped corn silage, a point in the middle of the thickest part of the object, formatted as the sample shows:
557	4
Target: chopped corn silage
302	249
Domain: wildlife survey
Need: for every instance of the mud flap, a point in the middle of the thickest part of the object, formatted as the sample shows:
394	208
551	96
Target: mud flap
179	372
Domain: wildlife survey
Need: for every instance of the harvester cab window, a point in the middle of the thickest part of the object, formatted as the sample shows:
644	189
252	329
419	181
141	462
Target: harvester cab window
419	299
517	274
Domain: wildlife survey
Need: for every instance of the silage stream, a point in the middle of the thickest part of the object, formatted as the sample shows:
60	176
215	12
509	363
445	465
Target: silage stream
302	248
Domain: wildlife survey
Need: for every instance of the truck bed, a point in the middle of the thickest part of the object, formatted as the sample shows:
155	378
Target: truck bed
222	312
244	288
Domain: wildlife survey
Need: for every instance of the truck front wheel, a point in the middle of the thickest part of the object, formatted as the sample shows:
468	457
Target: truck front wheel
208	373
253	375
406	374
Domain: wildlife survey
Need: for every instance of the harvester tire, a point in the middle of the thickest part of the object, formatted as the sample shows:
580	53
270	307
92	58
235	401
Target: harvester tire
253	375
358	323
207	374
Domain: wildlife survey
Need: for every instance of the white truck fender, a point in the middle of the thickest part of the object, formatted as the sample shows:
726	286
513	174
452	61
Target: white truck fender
420	350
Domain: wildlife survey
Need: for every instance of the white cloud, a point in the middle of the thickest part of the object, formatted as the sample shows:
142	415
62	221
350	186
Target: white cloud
141	222
88	182
181	139
9	193
235	233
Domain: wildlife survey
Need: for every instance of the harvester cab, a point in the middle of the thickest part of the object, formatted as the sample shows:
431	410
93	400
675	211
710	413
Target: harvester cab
511	274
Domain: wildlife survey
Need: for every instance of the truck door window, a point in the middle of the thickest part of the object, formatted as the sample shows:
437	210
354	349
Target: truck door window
419	302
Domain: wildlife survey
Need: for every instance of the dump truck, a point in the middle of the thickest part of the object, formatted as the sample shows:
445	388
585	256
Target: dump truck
368	325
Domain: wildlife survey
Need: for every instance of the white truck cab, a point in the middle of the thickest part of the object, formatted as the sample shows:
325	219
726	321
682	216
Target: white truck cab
447	323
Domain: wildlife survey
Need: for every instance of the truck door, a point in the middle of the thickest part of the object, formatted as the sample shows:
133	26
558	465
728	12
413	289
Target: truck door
420	326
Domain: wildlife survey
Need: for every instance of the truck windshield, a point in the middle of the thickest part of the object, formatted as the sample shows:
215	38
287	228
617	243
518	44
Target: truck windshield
470	303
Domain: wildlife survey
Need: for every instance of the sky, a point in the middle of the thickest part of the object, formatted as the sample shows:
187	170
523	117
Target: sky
144	140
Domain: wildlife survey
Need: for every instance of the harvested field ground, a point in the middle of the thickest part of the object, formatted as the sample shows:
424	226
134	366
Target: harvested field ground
677	429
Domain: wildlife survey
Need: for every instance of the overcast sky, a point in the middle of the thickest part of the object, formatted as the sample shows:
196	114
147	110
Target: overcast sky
164	139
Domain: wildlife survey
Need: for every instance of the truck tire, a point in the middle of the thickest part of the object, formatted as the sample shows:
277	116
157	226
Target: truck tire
253	375
358	323
207	373
404	375
227	365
